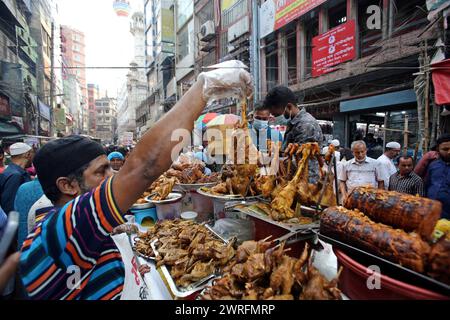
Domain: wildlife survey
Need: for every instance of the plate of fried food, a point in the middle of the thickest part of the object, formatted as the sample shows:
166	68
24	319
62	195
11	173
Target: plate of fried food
189	254
192	175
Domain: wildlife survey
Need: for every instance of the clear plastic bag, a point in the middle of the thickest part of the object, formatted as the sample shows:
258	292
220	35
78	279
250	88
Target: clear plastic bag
242	229
229	79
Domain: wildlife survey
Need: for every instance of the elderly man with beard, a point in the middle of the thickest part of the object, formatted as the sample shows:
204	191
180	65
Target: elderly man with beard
75	237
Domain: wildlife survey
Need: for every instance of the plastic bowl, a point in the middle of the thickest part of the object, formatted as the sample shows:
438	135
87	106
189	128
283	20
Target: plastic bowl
189	215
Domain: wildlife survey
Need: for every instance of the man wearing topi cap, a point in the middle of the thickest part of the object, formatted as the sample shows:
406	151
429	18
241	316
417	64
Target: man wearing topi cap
386	161
70	254
15	175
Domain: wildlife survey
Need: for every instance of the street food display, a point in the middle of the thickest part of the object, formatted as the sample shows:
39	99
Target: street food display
258	272
393	226
190	250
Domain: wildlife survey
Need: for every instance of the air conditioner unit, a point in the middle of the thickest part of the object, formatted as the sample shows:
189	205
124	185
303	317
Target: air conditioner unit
207	31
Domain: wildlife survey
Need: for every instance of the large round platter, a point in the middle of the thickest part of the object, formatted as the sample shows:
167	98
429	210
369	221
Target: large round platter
195	186
171	198
141	206
227	197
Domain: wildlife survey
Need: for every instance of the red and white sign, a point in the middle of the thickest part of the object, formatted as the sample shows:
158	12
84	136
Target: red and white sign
332	48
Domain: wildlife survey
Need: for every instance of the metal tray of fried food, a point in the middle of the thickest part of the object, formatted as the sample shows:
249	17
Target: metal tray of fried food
390	269
258	213
181	292
225	197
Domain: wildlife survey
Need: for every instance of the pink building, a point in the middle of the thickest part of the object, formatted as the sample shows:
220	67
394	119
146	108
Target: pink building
73	51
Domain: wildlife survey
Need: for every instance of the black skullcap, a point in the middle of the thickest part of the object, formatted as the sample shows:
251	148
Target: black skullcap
61	157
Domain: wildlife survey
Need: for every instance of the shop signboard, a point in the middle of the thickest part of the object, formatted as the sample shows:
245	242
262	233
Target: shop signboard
275	14
332	48
44	110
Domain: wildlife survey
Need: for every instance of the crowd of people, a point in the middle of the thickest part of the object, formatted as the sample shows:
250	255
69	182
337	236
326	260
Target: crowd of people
82	191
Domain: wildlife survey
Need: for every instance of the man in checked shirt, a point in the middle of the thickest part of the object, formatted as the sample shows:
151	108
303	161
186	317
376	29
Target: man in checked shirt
405	180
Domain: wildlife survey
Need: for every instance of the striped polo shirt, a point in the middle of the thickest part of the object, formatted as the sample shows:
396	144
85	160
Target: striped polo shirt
70	254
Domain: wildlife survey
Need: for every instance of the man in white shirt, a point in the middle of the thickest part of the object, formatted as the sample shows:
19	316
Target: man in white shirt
387	161
360	171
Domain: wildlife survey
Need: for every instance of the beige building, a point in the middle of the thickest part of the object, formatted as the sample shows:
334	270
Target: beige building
106	119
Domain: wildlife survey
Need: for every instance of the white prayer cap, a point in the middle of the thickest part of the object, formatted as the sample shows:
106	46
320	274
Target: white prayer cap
393	145
335	143
18	149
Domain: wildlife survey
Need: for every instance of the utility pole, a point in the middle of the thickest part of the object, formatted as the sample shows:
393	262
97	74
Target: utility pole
52	76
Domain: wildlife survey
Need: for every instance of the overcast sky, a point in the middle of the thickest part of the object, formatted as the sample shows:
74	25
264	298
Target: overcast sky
109	42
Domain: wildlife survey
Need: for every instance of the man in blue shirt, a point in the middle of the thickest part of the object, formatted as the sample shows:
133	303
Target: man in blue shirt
27	194
15	175
438	176
260	130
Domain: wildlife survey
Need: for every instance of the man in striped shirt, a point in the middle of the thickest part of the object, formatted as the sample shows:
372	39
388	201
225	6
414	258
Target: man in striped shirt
70	254
406	181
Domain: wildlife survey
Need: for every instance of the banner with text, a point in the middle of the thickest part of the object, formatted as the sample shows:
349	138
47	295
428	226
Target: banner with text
332	48
277	13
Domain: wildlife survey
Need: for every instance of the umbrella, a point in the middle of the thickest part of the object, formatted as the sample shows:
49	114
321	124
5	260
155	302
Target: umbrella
224	119
207	117
204	119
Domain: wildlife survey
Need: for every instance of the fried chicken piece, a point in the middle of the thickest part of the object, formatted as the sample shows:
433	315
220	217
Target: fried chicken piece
318	288
200	271
220	189
282	278
265	185
255	267
163	189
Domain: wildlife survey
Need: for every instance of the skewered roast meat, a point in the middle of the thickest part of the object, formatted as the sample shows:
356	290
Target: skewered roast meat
356	229
439	261
398	210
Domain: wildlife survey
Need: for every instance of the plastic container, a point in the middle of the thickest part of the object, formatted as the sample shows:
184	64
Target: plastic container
189	215
354	279
203	205
170	209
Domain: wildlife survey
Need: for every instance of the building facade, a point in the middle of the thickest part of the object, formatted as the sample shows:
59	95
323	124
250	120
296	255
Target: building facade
160	62
351	64
93	94
74	59
134	92
106	122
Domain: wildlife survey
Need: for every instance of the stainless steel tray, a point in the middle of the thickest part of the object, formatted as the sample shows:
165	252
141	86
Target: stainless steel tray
195	186
289	226
181	292
228	197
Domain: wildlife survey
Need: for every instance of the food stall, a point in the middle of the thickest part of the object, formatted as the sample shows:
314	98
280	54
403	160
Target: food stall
278	235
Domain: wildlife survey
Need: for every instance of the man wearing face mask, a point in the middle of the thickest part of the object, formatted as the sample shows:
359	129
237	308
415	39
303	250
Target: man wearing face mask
260	131
302	127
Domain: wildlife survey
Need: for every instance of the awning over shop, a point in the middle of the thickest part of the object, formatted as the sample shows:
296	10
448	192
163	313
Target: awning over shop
379	101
